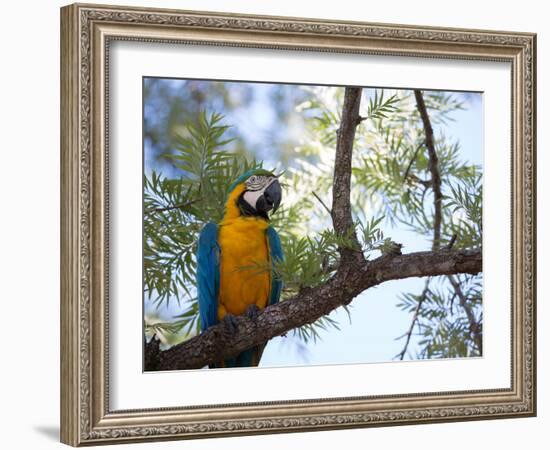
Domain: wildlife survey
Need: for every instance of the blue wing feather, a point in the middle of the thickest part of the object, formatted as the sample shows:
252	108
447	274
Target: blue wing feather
208	275
276	254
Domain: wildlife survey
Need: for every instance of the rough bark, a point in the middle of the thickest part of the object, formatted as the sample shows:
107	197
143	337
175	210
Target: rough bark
341	186
309	305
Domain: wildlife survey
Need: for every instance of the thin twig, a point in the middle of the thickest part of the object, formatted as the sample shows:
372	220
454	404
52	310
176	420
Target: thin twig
412	161
474	326
322	203
176	206
425	183
475	330
432	166
408	334
452	241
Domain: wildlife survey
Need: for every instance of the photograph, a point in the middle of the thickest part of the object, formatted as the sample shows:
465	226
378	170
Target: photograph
243	208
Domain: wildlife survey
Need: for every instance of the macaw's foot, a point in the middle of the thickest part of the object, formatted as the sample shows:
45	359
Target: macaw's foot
252	312
230	323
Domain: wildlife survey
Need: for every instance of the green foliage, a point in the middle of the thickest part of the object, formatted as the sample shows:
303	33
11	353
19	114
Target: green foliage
380	108
465	203
443	104
168	333
312	331
371	235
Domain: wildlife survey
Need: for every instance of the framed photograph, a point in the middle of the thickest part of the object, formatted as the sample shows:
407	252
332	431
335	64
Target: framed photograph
276	224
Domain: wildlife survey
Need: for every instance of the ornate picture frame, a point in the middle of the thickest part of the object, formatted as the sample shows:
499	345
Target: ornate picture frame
87	31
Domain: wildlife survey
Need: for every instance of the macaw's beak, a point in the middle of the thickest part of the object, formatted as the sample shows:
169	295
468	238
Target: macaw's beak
271	198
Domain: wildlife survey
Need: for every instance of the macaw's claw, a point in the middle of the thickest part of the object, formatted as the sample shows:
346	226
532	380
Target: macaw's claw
252	312
230	323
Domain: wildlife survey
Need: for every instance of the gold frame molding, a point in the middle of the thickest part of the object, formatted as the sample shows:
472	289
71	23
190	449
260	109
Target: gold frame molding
86	31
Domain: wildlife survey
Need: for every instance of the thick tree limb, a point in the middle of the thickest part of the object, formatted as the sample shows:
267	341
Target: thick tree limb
433	167
309	305
341	207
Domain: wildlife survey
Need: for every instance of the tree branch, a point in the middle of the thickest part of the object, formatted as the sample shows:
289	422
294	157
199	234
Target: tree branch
309	305
176	206
408	334
411	162
475	330
341	206
435	184
433	166
327	209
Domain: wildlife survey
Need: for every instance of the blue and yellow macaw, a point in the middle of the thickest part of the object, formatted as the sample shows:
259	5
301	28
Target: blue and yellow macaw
244	238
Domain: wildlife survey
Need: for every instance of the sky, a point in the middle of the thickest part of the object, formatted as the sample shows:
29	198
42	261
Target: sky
376	321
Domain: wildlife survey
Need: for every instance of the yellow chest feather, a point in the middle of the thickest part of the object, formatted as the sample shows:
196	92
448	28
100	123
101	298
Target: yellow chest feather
243	245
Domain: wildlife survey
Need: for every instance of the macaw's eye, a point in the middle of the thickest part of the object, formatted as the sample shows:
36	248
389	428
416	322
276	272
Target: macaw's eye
255	183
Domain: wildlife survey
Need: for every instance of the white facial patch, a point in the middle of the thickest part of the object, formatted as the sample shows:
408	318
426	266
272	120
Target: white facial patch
251	197
255	188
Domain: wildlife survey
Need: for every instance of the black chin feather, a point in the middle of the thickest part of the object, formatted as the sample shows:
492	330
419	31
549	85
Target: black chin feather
247	210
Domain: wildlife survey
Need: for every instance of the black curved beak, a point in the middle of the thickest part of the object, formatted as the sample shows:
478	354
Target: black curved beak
273	195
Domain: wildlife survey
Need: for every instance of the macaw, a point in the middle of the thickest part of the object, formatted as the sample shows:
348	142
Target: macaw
244	238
